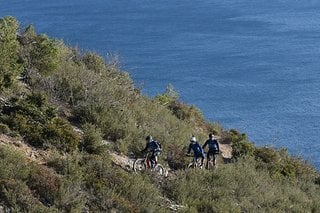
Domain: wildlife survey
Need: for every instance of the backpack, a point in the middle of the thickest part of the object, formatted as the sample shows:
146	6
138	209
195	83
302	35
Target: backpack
213	145
155	145
197	148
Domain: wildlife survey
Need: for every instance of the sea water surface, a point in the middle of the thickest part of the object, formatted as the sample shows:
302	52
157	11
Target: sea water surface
249	65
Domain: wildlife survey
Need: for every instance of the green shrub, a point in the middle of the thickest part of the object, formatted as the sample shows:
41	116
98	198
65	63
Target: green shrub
44	54
92	139
72	195
19	198
267	155
241	147
168	96
13	164
60	134
44	183
281	165
4	129
113	188
9	48
38	123
185	112
176	157
94	62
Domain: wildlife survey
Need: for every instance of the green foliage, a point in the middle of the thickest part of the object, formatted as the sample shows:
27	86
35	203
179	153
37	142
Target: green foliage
28	35
185	112
44	183
72	194
60	134
241	147
115	188
38	124
9	48
168	96
43	54
94	62
92	139
4	129
176	157
13	164
240	187
281	165
19	198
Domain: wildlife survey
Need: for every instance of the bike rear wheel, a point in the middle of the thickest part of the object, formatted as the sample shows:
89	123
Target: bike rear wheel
159	170
139	165
194	165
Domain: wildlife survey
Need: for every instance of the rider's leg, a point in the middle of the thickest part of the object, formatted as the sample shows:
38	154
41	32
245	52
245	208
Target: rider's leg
208	160
195	160
156	157
202	158
153	160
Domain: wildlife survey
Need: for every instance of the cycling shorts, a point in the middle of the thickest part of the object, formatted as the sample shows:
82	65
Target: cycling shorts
212	154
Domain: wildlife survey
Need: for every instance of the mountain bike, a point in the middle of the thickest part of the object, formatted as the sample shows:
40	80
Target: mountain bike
210	164
143	164
196	163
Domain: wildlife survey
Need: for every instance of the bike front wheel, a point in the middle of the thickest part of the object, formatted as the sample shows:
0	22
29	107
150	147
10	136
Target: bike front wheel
191	165
139	165
159	170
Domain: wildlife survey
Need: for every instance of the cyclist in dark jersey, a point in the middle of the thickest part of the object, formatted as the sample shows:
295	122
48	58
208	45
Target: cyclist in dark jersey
153	147
197	150
214	149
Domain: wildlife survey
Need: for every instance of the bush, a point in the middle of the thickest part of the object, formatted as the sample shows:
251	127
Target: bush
241	147
94	62
60	134
185	112
19	198
92	139
4	129
9	48
38	124
267	155
13	165
45	184
43	55
168	96
114	188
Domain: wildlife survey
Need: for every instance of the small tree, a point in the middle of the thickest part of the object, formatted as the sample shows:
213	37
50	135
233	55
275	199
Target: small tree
168	96
9	48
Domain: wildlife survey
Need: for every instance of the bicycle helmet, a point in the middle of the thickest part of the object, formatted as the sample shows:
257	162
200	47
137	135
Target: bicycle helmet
193	139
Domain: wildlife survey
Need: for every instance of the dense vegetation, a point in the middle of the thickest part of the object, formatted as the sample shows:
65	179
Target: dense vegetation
48	88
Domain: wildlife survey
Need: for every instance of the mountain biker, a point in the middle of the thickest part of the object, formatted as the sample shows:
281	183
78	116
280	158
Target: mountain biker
214	149
197	150
154	148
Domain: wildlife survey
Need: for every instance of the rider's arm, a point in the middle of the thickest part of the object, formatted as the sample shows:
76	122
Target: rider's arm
189	149
145	149
204	145
218	146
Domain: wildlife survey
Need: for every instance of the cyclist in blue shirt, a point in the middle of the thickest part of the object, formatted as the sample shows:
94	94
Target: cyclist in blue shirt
197	149
213	148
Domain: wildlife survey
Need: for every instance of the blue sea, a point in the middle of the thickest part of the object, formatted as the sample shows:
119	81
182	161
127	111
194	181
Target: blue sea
249	65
